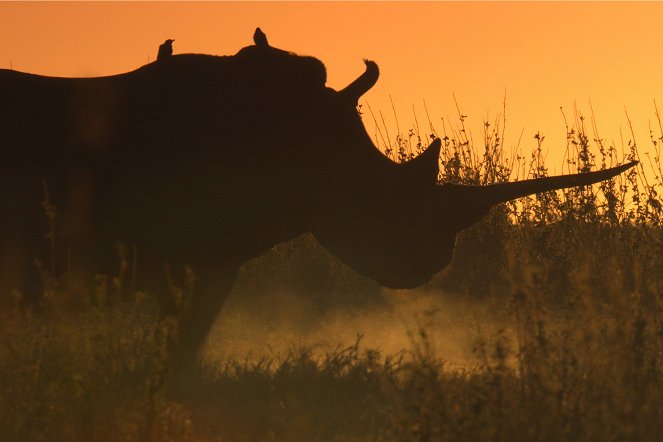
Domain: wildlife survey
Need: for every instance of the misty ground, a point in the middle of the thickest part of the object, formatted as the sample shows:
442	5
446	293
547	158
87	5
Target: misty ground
276	322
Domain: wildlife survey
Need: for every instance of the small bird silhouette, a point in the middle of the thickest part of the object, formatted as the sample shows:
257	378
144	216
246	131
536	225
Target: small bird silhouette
165	50
259	38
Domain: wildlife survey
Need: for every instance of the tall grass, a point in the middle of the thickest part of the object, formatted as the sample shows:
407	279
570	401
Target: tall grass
575	277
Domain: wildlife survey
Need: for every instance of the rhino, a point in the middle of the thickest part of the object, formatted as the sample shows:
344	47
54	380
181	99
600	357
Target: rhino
209	161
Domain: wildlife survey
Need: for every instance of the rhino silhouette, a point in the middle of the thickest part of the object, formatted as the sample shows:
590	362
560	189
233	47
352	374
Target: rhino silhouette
209	161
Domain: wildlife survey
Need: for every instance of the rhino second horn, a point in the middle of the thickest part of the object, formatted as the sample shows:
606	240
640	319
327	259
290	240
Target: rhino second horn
362	84
425	167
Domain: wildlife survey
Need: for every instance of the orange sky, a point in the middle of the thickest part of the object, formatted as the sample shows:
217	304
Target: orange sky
545	55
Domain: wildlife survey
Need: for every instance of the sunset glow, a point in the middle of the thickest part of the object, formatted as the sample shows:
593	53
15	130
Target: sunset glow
540	56
200	242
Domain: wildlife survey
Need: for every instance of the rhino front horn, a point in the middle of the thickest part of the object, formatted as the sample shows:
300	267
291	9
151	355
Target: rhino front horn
362	84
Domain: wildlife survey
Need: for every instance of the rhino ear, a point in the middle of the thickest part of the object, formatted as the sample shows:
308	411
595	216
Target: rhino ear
425	168
363	83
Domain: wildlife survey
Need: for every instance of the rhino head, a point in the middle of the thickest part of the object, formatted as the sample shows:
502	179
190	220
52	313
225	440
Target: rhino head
394	222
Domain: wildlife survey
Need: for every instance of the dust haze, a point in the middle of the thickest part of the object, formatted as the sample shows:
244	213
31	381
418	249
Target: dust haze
284	321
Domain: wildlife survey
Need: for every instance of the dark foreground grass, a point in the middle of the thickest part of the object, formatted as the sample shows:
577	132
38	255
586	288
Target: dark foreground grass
575	276
591	372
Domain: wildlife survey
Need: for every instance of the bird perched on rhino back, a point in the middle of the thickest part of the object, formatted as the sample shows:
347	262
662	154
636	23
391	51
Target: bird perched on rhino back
259	38
165	50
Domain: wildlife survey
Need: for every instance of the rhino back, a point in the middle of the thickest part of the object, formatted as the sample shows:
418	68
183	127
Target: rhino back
197	153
